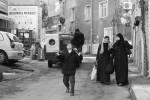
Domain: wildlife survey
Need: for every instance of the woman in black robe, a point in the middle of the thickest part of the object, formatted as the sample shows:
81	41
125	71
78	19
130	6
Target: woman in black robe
102	60
121	59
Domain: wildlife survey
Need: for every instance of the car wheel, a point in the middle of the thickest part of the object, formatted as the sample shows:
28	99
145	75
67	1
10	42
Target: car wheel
50	64
3	57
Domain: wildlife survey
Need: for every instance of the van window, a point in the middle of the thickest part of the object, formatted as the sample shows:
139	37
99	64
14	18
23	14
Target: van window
1	37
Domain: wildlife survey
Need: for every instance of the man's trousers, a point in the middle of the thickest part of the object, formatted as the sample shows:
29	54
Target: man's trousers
69	79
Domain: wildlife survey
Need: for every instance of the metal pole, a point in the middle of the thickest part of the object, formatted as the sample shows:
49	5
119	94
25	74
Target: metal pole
149	36
91	35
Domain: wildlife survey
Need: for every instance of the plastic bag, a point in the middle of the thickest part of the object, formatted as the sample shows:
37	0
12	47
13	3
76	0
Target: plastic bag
93	73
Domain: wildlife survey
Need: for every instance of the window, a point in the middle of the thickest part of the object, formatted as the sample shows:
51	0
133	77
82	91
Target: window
1	37
72	14
103	9
87	12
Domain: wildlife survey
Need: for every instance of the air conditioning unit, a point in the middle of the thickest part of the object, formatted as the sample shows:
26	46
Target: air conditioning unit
127	5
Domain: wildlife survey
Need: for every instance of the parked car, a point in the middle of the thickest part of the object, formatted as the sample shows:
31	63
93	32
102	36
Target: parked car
11	49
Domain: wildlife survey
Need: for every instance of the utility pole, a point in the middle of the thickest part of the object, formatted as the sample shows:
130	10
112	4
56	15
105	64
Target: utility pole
142	4
149	35
91	35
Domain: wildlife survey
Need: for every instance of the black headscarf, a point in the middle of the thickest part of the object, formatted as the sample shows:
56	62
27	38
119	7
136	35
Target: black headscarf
77	30
121	37
119	42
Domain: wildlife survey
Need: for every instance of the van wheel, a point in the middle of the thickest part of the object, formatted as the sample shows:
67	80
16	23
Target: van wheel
12	61
1	77
49	64
3	57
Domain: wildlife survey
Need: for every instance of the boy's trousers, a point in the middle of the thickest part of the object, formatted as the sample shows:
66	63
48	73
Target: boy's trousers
71	79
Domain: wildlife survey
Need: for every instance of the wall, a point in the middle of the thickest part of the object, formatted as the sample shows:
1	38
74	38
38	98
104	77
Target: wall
4	6
4	20
82	24
25	17
70	25
100	23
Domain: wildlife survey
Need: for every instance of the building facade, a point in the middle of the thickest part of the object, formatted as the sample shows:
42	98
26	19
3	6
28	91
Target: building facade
96	19
5	22
27	20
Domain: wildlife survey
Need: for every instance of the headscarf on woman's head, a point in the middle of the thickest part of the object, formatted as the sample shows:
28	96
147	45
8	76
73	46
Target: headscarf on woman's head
102	44
120	36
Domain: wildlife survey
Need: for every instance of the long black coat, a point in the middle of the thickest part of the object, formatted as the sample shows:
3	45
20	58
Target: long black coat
70	62
102	61
121	61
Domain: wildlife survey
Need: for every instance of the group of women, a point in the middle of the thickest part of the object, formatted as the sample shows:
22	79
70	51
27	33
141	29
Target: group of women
118	53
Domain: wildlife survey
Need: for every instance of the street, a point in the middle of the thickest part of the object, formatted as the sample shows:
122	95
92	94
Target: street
46	84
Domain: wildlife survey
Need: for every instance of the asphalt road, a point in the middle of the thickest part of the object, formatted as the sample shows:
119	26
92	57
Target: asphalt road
47	84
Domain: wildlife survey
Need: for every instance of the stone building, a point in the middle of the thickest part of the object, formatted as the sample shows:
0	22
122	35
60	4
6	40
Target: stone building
96	19
5	22
27	20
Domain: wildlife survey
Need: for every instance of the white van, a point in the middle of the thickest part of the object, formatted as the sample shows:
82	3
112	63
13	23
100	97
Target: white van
55	43
11	49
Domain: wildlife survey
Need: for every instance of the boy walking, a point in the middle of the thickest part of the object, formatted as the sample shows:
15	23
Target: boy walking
70	59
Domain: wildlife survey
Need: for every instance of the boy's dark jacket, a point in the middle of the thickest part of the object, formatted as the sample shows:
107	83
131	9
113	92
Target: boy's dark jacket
70	62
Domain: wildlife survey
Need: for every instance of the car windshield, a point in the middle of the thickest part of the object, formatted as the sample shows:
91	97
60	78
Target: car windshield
13	38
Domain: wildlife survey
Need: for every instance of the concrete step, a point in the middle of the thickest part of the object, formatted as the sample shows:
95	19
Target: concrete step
140	92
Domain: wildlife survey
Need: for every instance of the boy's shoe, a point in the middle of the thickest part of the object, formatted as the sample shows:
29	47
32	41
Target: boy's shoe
71	94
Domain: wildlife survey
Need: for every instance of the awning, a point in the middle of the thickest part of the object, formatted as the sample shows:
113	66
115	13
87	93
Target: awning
4	17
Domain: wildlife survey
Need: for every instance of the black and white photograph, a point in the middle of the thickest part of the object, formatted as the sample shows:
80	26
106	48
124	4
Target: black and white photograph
74	49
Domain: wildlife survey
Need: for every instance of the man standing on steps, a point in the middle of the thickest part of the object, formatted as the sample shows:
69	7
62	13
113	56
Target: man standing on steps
78	41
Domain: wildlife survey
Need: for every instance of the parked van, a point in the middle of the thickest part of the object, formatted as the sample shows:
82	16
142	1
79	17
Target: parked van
11	49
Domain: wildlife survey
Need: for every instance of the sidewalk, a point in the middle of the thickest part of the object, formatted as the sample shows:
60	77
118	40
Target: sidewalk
140	85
